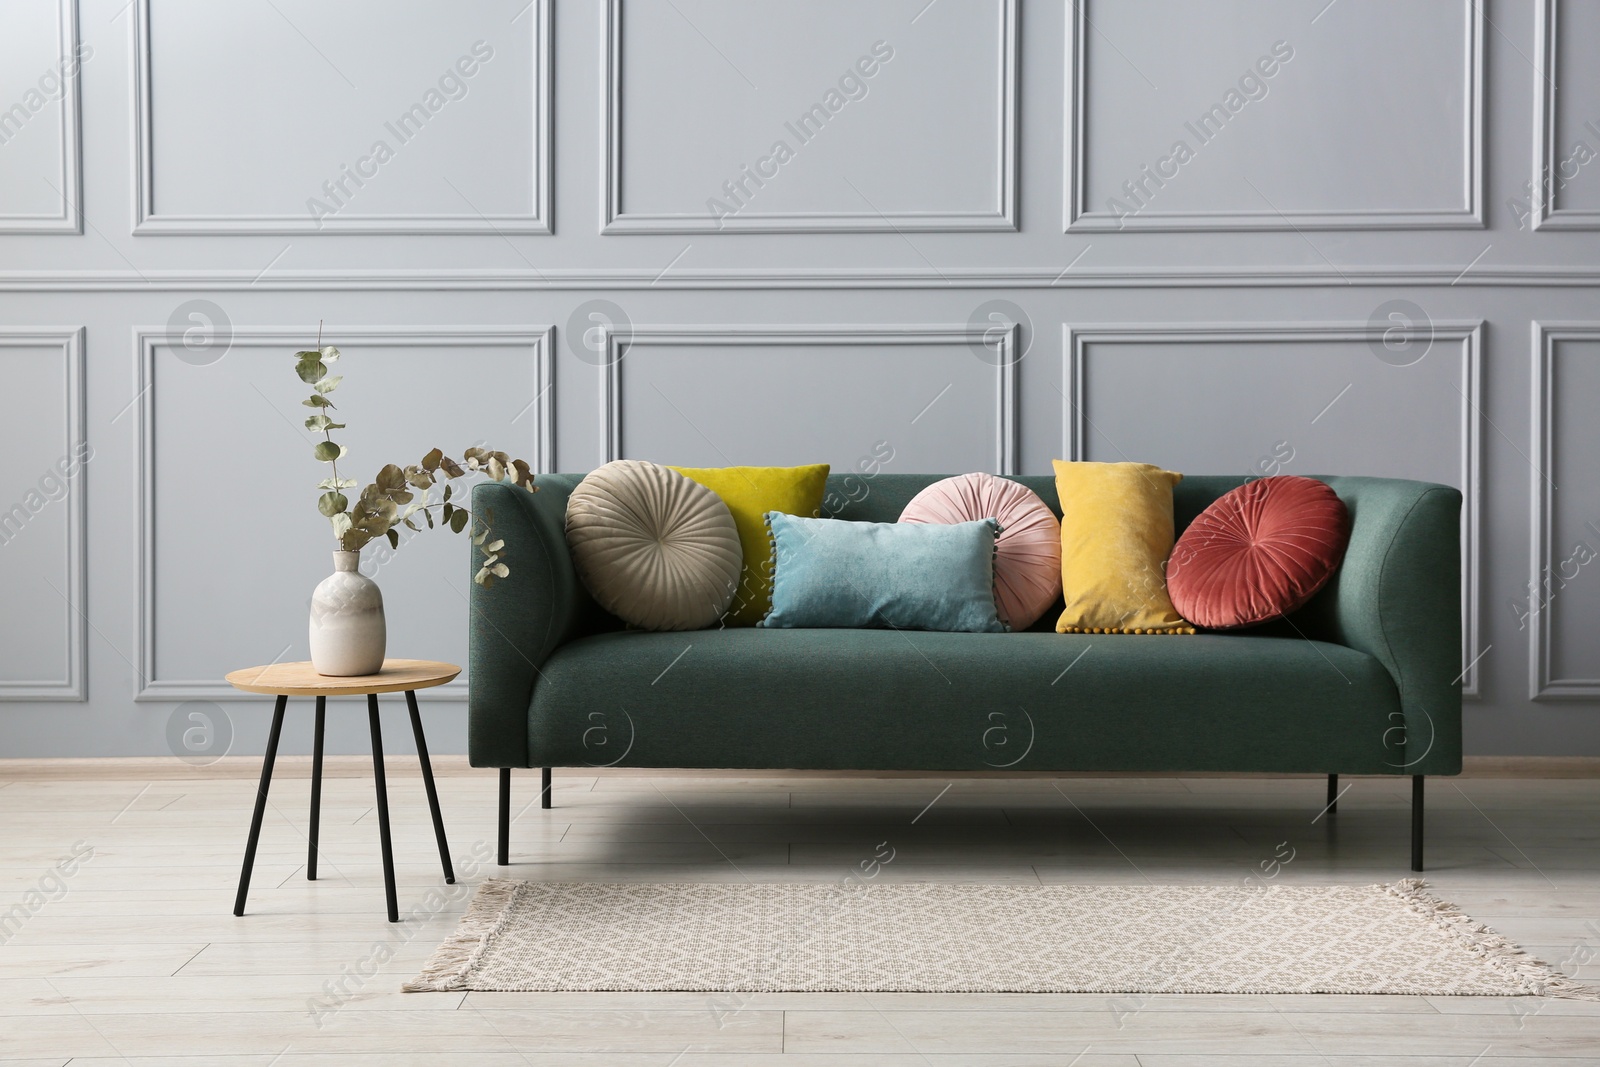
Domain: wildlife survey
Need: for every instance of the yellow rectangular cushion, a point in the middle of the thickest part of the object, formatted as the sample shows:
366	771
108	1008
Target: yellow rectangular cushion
751	492
1116	535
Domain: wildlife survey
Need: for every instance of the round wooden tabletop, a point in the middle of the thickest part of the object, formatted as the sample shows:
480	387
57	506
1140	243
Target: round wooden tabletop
301	679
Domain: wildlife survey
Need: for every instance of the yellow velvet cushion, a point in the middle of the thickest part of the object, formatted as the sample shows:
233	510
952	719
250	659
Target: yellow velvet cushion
1116	535
751	492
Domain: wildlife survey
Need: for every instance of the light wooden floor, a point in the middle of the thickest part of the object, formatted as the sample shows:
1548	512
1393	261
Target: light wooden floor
137	959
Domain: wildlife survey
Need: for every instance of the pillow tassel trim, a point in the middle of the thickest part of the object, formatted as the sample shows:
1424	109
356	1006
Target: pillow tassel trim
994	570
1128	630
770	568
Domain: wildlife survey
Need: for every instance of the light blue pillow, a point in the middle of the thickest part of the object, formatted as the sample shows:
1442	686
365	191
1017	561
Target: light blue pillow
904	576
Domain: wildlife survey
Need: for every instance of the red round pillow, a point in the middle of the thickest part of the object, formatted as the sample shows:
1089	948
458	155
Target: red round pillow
1258	552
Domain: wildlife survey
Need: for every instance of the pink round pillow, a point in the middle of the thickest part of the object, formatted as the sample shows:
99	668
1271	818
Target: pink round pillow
1027	563
1259	551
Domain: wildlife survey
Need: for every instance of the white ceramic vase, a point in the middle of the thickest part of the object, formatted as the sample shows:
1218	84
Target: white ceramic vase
347	629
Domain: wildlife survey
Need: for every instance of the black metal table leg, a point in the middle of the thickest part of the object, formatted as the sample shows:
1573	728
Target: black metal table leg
504	856
383	806
427	781
316	789
261	804
544	787
1416	822
1333	794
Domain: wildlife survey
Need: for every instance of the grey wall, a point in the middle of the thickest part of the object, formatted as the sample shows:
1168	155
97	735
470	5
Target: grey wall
1343	269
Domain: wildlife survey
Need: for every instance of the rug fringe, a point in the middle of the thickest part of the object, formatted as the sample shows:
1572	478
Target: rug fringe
1536	977
450	963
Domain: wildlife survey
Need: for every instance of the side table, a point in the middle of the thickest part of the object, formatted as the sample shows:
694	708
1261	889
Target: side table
284	680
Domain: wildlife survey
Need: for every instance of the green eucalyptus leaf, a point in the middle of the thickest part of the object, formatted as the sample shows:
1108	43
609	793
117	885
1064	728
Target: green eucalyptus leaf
326	451
458	521
431	461
394	538
500	570
310	368
341	524
332	503
429	516
494	546
329	354
449	509
328	385
317	401
390	478
411	525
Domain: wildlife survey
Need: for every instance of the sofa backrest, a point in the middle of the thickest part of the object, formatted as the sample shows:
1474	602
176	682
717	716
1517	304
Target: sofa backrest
882	497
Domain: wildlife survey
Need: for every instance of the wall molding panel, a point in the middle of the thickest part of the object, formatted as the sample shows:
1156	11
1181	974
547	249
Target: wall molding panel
1006	397
536	220
1079	218
1542	683
146	340
614	220
1546	215
1075	423
69	179
73	684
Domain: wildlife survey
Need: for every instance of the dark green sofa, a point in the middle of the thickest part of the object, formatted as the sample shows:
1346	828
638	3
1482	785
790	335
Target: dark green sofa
1362	680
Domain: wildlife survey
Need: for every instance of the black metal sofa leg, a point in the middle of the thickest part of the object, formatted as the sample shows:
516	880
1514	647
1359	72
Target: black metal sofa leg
1416	823
505	808
505	815
1333	795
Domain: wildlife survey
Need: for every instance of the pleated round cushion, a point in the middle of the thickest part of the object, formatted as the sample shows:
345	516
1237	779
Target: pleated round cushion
652	547
1027	564
1258	552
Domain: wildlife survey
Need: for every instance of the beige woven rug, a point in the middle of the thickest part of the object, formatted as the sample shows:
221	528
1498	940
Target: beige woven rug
881	937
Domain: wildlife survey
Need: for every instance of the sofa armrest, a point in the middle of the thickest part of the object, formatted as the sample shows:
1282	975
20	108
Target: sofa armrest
1397	597
514	626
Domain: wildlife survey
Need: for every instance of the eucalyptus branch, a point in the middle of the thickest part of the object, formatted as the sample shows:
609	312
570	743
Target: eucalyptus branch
376	511
327	434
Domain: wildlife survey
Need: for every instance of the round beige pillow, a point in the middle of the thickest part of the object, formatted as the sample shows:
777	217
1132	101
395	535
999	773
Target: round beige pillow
652	547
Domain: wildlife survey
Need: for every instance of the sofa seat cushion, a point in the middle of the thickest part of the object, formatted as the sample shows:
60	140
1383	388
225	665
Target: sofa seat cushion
899	700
